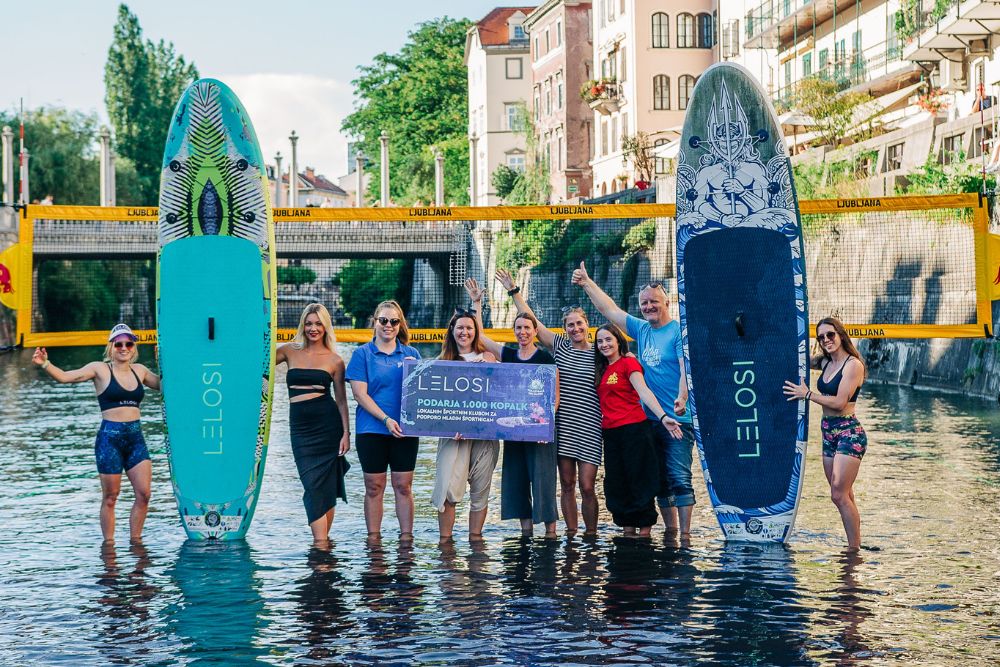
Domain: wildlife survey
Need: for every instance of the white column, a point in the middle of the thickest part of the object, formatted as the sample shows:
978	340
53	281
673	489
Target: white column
105	137
359	178
293	177
384	139
112	188
438	177
7	176
278	186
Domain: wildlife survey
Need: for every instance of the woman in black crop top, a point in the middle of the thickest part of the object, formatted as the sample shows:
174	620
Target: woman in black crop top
842	372
120	446
317	421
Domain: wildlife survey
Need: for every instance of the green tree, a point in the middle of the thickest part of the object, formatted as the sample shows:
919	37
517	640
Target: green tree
296	275
63	158
419	96
364	283
833	111
143	81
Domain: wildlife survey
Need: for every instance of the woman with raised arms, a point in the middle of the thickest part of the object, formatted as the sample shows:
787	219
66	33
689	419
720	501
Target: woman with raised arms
464	461
317	422
528	473
844	439
118	381
631	473
578	420
376	376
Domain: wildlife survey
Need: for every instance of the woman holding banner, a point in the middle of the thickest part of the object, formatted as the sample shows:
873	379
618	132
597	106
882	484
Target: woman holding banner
578	420
528	474
631	472
462	461
376	376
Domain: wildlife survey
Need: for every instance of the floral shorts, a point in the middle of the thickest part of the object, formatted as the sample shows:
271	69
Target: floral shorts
844	435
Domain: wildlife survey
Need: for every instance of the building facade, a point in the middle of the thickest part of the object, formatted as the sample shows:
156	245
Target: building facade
647	56
931	69
559	32
499	76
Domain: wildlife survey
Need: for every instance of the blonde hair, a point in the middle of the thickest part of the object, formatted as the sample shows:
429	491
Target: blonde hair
575	310
404	328
110	348
329	338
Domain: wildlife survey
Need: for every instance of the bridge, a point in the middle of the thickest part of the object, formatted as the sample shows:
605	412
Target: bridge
122	239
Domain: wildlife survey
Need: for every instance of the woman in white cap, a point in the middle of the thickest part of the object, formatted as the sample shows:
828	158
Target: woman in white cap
120	446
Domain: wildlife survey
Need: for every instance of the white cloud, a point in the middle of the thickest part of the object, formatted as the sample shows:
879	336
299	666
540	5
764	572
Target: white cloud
313	106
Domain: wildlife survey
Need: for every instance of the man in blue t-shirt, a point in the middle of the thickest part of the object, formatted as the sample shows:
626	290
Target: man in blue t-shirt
659	348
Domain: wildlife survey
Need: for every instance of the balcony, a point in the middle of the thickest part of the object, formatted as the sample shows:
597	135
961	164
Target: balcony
877	70
604	96
776	24
947	29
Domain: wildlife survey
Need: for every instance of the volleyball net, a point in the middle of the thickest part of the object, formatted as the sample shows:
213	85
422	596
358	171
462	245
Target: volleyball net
891	267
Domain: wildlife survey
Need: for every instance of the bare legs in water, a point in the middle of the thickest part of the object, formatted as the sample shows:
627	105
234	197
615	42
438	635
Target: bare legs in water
140	475
569	471
841	471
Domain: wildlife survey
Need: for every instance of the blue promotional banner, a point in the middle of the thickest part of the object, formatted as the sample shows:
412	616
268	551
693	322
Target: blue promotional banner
479	400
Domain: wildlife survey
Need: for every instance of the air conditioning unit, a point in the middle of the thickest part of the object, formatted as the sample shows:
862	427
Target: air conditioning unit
979	48
954	75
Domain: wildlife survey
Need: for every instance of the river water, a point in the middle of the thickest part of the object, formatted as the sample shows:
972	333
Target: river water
928	494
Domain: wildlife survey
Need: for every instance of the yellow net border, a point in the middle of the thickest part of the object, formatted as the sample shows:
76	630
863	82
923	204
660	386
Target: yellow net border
987	255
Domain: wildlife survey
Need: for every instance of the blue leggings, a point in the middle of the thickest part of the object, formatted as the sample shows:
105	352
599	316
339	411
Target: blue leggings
119	446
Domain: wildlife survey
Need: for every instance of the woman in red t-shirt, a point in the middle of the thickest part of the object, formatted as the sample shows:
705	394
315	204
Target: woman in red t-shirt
631	480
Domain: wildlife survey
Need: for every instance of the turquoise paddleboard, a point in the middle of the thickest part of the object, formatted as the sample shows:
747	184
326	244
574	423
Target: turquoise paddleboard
744	318
216	314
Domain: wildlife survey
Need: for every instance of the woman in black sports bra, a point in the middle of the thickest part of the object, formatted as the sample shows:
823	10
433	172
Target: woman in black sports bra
317	421
119	445
844	439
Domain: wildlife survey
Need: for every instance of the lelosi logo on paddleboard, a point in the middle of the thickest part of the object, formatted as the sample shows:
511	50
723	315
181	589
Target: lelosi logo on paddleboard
211	401
747	428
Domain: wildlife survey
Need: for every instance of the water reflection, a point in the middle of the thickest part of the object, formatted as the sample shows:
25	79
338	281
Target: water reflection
219	612
126	595
928	596
753	608
322	611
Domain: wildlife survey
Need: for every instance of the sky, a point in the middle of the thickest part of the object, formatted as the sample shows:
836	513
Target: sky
290	62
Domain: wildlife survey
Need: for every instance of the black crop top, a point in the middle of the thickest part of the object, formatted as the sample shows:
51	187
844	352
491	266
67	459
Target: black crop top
117	396
303	381
833	386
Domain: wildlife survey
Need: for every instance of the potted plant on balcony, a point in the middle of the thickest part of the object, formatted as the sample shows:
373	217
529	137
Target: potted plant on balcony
933	101
600	95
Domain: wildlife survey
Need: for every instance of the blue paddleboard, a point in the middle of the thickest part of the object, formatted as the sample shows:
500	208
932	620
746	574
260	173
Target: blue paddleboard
742	291
216	314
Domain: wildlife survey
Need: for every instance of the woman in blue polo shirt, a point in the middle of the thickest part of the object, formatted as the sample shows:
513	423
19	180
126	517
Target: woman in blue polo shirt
376	376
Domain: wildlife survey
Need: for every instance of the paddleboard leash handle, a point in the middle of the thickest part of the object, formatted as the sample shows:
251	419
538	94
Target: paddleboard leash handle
740	329
211	328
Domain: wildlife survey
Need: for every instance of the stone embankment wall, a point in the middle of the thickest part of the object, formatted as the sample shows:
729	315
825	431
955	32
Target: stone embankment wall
905	270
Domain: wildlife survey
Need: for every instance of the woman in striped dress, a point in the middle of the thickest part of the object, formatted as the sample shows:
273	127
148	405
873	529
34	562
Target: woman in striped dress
578	419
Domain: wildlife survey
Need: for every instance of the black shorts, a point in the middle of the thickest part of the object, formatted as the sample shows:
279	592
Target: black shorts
379	452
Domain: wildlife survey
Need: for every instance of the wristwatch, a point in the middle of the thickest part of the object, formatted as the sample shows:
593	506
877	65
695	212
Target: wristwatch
515	290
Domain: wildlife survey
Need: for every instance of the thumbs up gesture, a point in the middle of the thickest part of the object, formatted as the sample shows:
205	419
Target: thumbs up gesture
580	276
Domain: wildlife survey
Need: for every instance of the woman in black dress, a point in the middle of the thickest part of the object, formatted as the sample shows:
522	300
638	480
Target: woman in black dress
317	421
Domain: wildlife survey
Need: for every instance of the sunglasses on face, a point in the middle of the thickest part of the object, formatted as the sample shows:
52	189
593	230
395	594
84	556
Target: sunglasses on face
385	320
829	335
119	344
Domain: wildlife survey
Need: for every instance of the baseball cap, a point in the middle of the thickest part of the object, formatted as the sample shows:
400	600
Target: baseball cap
119	329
